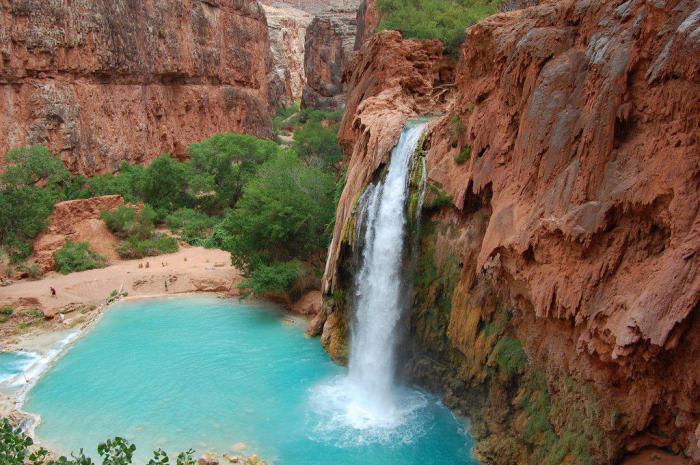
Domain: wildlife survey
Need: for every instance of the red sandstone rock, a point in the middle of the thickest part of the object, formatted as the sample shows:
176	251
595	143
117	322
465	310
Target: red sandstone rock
329	44
287	26
368	19
583	123
105	81
79	221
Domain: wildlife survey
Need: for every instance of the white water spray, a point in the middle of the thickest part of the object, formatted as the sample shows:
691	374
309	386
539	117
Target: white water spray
379	284
368	398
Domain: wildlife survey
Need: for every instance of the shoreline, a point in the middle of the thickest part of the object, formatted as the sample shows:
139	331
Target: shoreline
15	399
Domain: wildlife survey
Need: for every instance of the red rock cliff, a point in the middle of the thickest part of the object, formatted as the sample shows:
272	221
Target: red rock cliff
105	81
560	291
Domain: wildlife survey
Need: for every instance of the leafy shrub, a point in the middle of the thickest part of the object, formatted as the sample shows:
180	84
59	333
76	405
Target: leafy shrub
7	311
127	182
435	19
77	256
159	244
28	166
464	155
14	450
126	221
193	226
315	142
272	279
283	215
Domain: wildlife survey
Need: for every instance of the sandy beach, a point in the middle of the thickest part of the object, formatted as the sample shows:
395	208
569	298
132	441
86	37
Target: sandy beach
82	297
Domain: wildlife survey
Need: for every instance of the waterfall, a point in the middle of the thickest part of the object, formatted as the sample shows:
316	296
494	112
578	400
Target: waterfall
368	402
379	283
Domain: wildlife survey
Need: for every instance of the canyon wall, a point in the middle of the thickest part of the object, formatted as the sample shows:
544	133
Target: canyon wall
557	283
287	26
330	41
105	81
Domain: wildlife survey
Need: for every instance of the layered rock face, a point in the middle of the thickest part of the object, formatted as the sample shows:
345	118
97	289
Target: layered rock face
558	283
330	40
103	81
287	26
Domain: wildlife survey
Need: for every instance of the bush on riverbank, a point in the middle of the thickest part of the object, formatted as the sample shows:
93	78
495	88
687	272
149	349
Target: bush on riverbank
127	222
158	244
283	216
77	256
194	227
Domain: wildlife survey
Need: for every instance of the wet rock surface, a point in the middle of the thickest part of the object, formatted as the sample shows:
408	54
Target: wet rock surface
103	82
558	276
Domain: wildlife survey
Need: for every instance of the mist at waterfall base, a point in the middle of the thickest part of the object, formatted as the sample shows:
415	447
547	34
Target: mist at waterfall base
209	373
367	405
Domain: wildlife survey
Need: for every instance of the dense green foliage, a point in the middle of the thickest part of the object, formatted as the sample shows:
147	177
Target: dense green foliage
32	181
222	165
271	208
158	244
194	227
77	256
318	144
444	20
284	215
126	221
15	450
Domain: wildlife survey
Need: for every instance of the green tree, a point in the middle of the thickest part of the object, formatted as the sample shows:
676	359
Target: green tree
283	215
164	185
29	166
221	165
318	144
23	215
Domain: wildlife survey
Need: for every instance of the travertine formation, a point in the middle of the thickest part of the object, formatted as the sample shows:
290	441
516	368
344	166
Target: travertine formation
559	266
105	81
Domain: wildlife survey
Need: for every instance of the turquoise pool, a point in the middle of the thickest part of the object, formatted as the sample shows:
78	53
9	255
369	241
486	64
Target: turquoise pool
214	375
14	363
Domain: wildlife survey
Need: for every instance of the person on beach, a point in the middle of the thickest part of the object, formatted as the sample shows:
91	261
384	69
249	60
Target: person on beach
53	291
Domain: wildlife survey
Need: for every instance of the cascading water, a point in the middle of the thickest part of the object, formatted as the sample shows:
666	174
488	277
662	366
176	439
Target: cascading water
368	398
379	283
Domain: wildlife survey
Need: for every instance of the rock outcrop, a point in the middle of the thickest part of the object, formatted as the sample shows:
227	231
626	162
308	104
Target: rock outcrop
559	272
368	19
106	81
287	26
330	40
78	221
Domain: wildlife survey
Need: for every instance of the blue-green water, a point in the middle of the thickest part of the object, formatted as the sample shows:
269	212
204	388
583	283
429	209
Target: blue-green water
208	374
14	363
